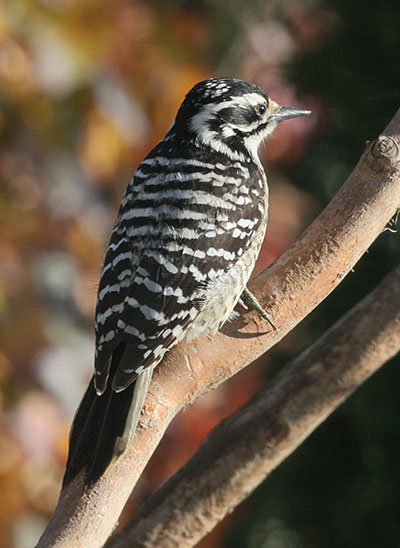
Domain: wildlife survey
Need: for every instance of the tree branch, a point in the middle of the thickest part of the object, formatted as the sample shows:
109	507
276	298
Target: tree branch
244	449
292	287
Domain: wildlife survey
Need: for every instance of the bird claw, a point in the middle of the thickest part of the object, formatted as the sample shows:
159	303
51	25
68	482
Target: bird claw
249	299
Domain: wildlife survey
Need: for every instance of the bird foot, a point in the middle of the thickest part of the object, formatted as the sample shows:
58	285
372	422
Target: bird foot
247	298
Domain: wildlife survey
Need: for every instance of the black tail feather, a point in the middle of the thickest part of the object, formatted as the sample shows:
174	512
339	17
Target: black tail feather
97	424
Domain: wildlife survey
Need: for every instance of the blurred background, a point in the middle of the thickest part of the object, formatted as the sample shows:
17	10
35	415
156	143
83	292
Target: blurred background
87	87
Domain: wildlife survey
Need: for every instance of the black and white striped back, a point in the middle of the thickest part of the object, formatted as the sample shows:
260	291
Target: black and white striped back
184	222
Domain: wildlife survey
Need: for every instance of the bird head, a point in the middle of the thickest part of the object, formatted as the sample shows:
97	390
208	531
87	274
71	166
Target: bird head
231	116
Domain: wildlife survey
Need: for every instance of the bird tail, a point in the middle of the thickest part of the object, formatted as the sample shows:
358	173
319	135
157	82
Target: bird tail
103	427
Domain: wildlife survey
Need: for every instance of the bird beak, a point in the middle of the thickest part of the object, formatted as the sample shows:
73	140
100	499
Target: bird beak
280	113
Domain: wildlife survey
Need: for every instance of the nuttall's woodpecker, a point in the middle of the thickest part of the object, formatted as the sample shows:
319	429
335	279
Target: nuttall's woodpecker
184	244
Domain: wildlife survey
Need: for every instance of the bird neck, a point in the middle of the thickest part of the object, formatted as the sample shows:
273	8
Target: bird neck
228	147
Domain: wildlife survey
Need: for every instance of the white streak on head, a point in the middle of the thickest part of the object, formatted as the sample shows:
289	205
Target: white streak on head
200	124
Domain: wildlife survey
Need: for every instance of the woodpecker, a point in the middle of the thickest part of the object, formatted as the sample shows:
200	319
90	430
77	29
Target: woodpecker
182	249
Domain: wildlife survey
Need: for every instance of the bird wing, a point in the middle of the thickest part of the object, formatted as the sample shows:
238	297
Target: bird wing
159	262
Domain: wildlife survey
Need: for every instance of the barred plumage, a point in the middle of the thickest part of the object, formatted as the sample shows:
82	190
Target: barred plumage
183	247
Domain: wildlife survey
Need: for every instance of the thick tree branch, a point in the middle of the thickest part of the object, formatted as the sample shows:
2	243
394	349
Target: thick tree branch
291	288
244	449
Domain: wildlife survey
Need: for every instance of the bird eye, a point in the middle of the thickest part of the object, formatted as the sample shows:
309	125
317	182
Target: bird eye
261	109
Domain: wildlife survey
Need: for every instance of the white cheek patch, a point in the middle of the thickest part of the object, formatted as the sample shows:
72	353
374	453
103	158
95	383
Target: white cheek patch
227	132
253	141
200	121
248	128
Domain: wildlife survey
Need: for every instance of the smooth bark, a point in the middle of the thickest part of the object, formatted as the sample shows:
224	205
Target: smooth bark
244	449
